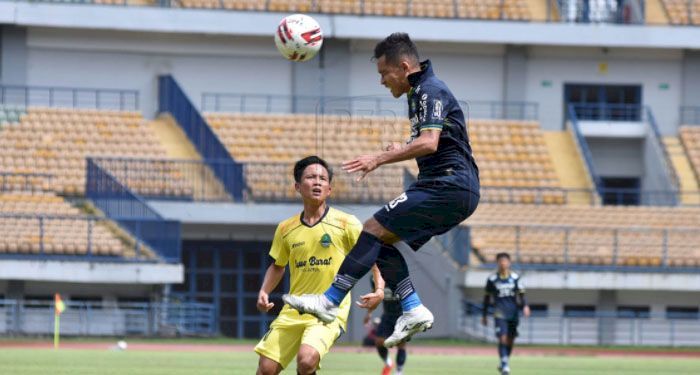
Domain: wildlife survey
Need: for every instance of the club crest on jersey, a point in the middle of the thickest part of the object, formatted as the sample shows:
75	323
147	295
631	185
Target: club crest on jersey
326	240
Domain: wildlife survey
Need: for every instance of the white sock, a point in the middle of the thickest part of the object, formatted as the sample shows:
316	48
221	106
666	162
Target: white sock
388	360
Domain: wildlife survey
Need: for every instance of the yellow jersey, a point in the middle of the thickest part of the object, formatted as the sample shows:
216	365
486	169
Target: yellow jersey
314	254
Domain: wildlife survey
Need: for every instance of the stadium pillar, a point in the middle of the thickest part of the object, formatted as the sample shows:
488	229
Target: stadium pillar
691	78
607	303
13	55
514	74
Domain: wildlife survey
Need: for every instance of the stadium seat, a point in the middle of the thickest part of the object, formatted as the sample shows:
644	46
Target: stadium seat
63	230
68	136
588	235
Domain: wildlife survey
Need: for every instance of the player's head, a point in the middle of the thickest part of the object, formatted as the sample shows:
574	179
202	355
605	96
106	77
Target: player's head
396	57
312	179
503	261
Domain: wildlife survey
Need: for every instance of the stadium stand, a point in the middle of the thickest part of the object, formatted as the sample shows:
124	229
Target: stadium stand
690	138
40	222
513	154
620	235
682	12
57	141
516	10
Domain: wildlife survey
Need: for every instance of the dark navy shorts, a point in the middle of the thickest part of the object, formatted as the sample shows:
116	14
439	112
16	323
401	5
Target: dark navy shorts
386	325
507	327
426	210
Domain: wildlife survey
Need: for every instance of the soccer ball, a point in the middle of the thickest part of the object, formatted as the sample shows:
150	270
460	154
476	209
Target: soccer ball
298	37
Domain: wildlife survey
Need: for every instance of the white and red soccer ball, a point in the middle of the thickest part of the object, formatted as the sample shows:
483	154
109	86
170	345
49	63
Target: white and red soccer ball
298	37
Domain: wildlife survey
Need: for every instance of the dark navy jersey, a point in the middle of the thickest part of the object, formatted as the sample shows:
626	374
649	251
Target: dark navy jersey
431	105
391	303
504	293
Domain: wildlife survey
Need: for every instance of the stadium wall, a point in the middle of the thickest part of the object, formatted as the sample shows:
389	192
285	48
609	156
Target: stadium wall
248	64
123	60
549	68
617	157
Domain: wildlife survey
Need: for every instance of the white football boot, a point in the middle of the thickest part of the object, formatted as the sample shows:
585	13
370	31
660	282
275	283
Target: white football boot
315	304
420	319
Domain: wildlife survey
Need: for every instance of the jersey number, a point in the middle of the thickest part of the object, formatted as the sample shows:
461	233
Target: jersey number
396	201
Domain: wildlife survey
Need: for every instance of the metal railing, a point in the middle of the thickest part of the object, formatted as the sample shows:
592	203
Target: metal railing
36	317
172	99
661	150
634	113
169	179
355	106
612	196
69	97
38	238
589	246
131	212
609	112
690	115
14	181
600	11
583	147
594	328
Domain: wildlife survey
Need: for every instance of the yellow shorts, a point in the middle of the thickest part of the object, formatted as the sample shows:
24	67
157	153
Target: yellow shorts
281	343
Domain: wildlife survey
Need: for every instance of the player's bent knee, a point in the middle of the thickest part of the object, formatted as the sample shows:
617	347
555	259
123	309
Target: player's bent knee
373	227
267	366
307	360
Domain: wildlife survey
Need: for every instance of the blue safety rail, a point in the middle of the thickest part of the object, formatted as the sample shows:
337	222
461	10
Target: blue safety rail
354	106
130	211
690	115
37	240
170	179
81	318
582	324
661	149
172	99
583	147
622	113
554	247
69	97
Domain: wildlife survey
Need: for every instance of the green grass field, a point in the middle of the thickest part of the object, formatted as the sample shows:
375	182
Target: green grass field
79	362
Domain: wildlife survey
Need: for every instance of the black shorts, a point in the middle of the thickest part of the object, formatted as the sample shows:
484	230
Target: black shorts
386	325
506	327
427	210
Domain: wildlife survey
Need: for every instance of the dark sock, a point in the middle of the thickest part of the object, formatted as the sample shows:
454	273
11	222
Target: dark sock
503	353
394	270
400	358
510	349
383	352
356	264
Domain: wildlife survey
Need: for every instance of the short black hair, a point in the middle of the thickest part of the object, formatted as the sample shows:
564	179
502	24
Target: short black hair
394	47
502	255
309	160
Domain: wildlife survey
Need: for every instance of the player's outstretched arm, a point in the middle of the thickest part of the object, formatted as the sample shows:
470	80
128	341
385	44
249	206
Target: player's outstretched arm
273	276
425	144
485	309
522	302
370	301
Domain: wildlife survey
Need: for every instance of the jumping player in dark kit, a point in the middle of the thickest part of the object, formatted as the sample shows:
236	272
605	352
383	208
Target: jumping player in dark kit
506	292
445	194
391	312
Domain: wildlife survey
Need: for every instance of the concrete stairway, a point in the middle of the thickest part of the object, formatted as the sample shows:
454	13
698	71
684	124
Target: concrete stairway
569	165
204	183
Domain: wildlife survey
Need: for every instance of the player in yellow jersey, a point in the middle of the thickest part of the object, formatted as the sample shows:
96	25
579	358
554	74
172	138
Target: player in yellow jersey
314	245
